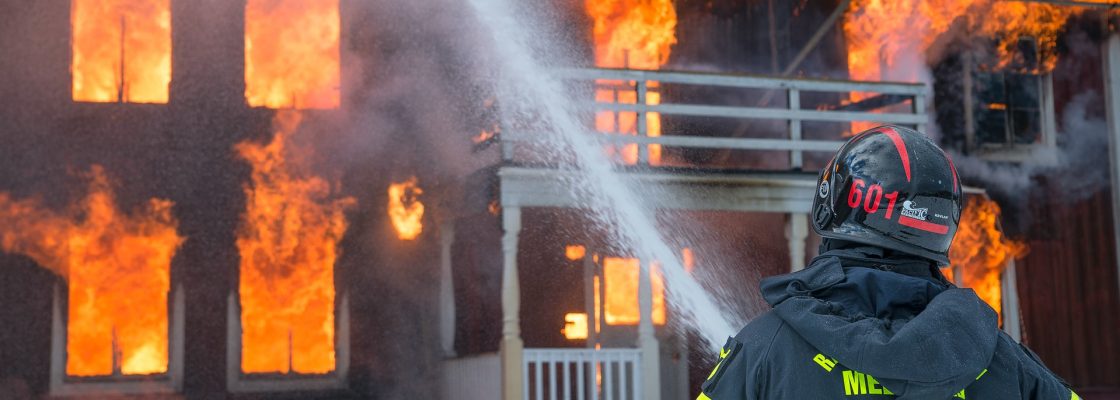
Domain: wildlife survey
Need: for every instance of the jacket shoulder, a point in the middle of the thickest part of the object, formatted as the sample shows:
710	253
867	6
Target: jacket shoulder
760	334
736	374
1016	372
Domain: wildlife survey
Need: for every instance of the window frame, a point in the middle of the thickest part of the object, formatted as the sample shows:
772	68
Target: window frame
240	382
1044	150
170	382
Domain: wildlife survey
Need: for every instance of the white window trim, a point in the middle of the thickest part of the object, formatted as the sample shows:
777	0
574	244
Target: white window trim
238	382
171	382
1045	151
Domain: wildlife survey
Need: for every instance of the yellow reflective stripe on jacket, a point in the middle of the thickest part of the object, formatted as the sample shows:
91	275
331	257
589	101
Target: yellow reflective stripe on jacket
1072	396
722	356
703	396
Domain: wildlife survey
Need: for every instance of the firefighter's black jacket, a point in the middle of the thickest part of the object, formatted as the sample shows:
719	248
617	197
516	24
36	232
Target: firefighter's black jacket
856	324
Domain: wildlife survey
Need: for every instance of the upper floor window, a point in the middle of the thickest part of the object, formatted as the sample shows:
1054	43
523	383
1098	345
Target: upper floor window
120	50
1010	109
292	53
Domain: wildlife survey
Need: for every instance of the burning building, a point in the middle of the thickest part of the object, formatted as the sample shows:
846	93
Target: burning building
281	198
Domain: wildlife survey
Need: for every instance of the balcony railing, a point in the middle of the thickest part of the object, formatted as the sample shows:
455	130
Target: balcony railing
881	103
582	374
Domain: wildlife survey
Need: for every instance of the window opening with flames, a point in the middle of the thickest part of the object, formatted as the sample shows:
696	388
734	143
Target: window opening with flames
615	292
117	267
120	50
288	241
633	34
292	53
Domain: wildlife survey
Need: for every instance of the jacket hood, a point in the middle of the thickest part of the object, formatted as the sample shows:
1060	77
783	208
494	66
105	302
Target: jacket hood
917	335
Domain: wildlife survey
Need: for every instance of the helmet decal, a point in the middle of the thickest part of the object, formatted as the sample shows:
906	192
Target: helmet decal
923	225
901	146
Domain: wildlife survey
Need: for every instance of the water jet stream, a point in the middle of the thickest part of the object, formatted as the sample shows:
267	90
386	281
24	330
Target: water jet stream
530	93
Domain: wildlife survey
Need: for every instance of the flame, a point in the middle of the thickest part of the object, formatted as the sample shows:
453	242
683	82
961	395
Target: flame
575	252
109	34
406	212
688	260
620	277
484	135
596	286
288	242
575	326
118	267
635	34
494	207
889	39
980	252
292	53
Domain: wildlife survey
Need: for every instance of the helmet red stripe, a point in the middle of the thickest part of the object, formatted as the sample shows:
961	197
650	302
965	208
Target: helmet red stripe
954	169
901	146
923	225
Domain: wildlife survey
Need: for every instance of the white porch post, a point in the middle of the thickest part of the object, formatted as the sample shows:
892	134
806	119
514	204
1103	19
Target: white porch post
1009	289
797	230
446	291
512	347
1112	108
647	343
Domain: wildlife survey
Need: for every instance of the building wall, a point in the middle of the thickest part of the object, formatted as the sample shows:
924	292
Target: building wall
1068	292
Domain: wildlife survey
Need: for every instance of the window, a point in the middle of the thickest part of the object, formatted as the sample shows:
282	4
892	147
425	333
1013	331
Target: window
1008	110
120	50
620	288
292	53
288	324
114	328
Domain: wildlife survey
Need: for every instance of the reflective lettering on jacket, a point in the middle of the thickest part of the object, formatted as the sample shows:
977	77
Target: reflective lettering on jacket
856	383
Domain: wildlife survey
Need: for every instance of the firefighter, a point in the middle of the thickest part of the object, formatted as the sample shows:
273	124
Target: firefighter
872	316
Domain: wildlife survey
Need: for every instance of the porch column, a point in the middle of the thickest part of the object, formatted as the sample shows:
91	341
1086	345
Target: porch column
1112	108
797	230
511	347
1010	301
647	342
446	290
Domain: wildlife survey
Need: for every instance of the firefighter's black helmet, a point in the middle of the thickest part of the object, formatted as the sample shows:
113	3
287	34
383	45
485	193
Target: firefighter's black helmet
890	187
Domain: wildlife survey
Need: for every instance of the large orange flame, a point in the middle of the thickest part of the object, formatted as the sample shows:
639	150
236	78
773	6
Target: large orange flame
292	53
980	252
635	34
118	268
288	242
121	50
406	212
889	39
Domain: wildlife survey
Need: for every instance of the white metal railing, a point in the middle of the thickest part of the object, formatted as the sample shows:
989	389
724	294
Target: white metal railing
883	97
582	374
